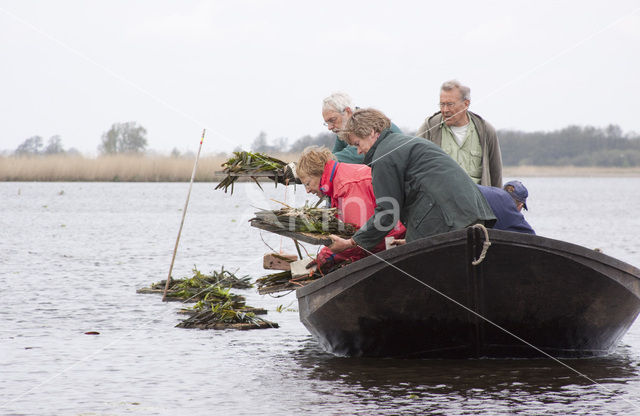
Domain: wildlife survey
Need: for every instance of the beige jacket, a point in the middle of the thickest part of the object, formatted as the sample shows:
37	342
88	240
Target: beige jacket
431	129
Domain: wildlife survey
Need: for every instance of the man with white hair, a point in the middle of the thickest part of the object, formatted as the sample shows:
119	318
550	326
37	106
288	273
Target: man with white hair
465	136
336	110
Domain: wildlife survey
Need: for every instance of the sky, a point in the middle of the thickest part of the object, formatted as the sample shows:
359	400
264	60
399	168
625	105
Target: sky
236	68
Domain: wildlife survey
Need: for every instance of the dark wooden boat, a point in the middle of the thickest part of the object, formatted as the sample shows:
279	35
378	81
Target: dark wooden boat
418	300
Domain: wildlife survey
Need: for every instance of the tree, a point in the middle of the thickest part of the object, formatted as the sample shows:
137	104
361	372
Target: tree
326	139
31	146
54	146
124	138
260	143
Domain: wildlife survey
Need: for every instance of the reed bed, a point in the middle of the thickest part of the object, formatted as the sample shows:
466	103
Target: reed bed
146	168
118	168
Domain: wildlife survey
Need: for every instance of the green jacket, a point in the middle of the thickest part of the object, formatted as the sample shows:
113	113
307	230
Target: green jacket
419	181
431	129
349	154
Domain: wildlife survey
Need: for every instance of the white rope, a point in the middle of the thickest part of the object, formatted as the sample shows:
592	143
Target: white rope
485	245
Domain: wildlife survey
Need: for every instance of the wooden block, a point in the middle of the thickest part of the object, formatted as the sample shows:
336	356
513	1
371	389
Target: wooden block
274	261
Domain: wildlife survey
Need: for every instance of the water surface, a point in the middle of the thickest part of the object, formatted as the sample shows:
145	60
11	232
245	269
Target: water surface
73	254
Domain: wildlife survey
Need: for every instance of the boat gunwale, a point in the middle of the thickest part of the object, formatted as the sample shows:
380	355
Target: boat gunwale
459	237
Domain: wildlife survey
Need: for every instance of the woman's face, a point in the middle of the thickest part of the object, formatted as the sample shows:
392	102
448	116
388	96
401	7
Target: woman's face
311	184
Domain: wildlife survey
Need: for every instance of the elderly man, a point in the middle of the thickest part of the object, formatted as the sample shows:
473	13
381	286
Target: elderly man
465	136
412	179
336	110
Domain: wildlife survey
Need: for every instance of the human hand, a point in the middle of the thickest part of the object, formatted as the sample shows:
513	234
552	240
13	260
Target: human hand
340	244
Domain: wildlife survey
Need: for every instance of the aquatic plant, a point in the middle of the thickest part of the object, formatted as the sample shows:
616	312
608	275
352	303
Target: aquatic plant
306	219
200	284
250	165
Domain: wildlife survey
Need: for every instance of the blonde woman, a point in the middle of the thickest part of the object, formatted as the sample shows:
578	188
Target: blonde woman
350	190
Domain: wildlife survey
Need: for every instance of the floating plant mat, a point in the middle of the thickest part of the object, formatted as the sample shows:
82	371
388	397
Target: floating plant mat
181	289
225	315
253	165
309	224
216	307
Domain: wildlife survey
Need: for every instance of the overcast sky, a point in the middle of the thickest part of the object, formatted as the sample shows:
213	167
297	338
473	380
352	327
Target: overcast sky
73	68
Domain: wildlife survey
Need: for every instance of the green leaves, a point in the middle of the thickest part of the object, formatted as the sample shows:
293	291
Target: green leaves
248	164
307	219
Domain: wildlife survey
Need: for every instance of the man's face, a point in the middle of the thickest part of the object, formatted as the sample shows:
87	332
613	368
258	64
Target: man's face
311	184
363	144
335	119
454	108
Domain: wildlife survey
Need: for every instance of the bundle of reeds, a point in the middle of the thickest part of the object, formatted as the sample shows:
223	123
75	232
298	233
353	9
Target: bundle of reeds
191	286
251	165
223	315
306	219
217	307
284	282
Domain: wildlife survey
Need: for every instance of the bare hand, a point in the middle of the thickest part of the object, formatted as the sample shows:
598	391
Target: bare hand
340	244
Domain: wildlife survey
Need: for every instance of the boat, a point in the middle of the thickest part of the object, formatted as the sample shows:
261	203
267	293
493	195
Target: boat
527	296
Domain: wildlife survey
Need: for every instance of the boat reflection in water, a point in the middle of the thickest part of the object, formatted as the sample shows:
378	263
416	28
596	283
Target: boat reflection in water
528	297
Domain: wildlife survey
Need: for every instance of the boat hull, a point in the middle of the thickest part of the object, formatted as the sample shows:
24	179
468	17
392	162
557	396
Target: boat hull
529	294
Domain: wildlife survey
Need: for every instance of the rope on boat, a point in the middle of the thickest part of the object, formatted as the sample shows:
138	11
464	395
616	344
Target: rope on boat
485	245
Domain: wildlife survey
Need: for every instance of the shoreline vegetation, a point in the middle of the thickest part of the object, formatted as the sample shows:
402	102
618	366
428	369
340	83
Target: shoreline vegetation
130	168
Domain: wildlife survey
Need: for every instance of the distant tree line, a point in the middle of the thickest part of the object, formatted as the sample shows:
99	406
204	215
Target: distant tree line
121	138
35	146
573	145
260	143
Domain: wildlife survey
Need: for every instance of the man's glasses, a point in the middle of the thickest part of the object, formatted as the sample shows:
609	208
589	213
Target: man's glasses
448	105
332	120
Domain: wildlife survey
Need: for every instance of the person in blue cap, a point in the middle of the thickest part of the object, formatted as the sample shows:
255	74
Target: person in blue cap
507	204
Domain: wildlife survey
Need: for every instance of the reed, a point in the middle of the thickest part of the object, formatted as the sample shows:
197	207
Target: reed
118	168
127	168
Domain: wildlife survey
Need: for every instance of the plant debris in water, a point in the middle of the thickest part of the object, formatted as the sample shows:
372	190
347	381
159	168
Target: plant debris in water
247	164
306	219
195	285
224	314
217	307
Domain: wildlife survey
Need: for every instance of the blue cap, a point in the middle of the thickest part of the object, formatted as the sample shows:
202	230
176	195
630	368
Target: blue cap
518	192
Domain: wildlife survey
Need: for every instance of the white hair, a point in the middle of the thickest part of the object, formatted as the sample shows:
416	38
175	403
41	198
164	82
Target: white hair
337	101
465	92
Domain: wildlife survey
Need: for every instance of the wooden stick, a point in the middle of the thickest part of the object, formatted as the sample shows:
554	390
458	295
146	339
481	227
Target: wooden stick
184	212
298	248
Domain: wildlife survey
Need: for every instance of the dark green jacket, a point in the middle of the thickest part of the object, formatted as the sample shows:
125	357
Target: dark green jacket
349	154
431	193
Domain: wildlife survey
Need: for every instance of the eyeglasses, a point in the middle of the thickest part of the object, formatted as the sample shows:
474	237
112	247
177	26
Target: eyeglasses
332	120
448	105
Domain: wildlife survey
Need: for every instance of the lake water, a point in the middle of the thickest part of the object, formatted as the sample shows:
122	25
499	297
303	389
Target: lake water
73	254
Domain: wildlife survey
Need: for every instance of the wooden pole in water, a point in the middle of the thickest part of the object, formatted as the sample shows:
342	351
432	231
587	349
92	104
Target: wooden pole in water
184	212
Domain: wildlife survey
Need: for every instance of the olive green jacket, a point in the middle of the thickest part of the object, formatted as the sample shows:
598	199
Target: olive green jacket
431	129
425	189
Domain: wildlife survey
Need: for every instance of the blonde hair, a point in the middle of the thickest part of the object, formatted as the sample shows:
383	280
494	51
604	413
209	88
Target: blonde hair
312	161
362	122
